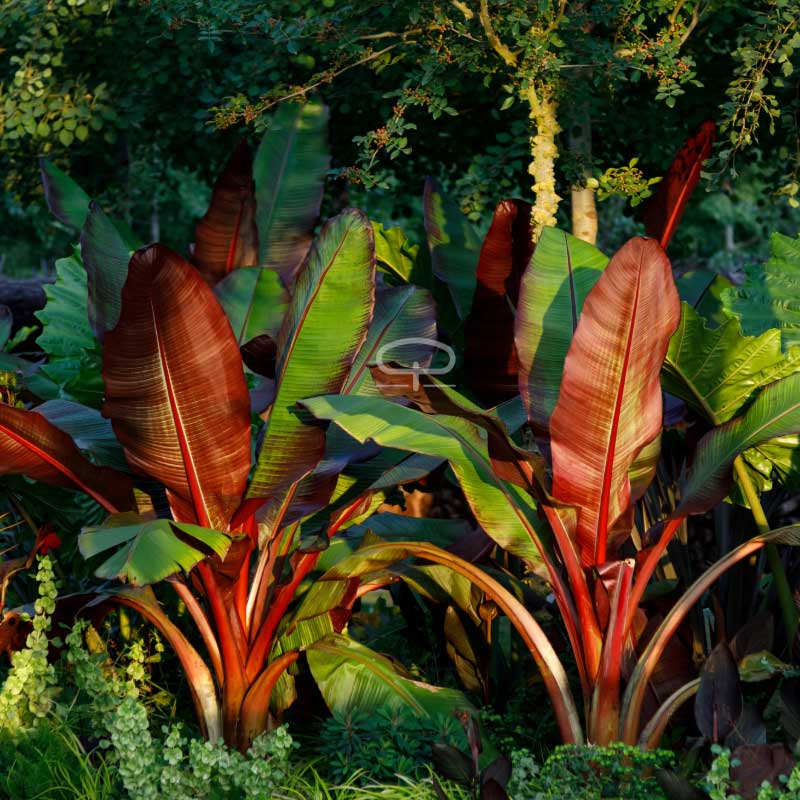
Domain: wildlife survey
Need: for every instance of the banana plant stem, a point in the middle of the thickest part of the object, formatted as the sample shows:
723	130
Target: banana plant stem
788	608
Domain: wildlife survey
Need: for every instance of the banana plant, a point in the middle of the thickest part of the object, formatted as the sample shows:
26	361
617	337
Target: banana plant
591	339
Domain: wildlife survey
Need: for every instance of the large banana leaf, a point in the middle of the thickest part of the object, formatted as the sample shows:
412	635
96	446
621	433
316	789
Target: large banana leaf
226	237
402	329
663	211
490	358
73	364
255	301
175	389
352	677
325	326
775	412
770	296
454	246
65	198
561	273
148	551
610	403
106	250
289	171
503	510
31	445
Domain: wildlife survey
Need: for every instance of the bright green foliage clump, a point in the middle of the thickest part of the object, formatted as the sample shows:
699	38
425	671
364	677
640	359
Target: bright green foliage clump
28	693
588	773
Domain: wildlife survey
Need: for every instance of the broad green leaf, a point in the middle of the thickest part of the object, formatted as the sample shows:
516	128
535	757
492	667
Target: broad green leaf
395	254
402	330
353	677
454	246
289	170
718	371
106	249
325	326
504	511
561	273
770	296
73	353
775	412
151	550
255	301
65	199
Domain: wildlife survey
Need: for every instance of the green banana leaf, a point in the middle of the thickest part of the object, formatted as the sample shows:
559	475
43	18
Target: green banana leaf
149	551
325	326
561	273
289	171
65	198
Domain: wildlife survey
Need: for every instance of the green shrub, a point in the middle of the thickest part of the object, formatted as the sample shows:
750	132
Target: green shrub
719	785
383	745
574	772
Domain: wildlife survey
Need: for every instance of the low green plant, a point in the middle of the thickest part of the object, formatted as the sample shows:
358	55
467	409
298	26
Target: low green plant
384	744
574	772
719	784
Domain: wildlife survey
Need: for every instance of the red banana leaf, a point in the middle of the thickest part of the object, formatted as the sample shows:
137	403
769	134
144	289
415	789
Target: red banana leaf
32	446
175	388
610	403
664	209
490	357
226	237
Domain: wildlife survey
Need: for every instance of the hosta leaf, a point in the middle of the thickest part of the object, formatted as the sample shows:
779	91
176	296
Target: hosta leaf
149	551
775	412
33	446
175	388
611	384
663	211
226	237
289	170
105	252
490	357
402	329
453	244
561	273
353	677
325	326
65	198
504	511
255	301
770	296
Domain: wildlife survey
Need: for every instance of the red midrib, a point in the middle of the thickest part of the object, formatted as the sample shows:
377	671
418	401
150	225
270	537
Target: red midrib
229	262
601	540
59	466
186	455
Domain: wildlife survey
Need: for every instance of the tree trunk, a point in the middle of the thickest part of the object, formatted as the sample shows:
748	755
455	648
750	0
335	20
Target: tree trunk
584	208
543	155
